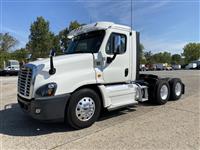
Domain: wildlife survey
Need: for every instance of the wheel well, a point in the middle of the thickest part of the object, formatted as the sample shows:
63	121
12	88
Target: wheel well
92	87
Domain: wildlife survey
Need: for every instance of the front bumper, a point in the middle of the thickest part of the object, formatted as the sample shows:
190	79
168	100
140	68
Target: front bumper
51	108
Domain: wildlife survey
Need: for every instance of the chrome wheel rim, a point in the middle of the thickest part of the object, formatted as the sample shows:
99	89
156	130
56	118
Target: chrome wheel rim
164	92
85	109
178	89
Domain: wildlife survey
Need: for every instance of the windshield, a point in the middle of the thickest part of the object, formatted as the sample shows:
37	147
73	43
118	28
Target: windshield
86	43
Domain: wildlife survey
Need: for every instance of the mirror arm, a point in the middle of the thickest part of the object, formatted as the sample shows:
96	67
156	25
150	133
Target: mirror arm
52	70
110	59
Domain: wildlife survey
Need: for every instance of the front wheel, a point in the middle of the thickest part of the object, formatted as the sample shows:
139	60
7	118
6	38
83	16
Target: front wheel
83	109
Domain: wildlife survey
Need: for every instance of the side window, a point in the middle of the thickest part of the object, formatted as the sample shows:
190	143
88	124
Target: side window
116	44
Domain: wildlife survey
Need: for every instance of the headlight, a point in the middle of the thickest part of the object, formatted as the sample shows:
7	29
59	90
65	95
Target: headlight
47	90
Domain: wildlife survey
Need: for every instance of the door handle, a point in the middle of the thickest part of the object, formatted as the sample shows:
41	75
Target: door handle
126	72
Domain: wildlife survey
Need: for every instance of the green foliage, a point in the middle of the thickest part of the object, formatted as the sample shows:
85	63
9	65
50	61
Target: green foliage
191	51
176	59
163	57
64	41
141	51
74	25
19	55
3	57
40	39
56	44
142	58
148	56
7	42
63	38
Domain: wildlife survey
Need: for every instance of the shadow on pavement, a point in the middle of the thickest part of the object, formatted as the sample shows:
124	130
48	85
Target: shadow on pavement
15	123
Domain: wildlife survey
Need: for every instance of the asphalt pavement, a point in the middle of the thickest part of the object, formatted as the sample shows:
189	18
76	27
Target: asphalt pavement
175	125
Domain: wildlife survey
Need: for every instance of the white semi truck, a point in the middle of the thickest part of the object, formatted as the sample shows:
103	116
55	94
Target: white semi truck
11	67
100	69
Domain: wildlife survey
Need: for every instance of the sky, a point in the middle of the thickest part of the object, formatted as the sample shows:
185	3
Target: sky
164	25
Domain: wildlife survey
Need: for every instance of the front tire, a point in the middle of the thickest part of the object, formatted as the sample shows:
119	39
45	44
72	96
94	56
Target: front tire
83	109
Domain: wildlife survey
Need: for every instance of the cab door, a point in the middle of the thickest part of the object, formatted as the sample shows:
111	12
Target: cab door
117	58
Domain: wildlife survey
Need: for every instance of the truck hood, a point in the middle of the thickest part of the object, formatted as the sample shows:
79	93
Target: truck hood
58	59
62	62
72	71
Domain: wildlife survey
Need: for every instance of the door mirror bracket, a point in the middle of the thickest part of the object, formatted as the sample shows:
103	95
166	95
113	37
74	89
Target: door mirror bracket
110	59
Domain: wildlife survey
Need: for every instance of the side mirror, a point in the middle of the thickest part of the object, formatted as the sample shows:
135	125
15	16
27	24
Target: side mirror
115	46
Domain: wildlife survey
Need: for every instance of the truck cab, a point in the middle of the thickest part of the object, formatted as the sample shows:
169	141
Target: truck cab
100	69
11	67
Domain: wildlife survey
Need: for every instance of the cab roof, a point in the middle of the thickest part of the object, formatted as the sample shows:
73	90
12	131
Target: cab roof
97	26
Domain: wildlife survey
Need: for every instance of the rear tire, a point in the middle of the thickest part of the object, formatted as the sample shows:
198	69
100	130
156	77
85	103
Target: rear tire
162	92
83	109
176	87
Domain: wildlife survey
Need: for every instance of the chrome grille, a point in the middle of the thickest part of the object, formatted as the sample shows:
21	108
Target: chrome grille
24	81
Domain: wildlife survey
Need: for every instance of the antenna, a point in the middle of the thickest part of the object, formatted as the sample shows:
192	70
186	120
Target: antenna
131	16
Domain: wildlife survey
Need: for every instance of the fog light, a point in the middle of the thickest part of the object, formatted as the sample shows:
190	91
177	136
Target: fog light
37	110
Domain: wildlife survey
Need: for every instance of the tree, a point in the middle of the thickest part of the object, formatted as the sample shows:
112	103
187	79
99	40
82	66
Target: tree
40	38
163	57
74	25
191	51
56	44
141	51
63	38
64	41
3	57
20	54
157	57
7	42
148	56
166	57
176	59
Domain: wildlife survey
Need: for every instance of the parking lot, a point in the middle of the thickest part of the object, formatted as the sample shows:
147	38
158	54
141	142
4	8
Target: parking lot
175	125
